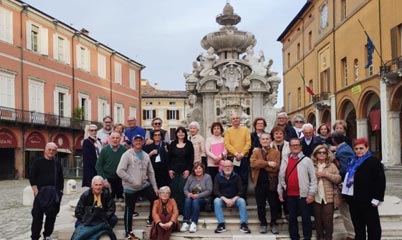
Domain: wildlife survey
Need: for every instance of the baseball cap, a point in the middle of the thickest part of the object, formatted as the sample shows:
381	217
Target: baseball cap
138	136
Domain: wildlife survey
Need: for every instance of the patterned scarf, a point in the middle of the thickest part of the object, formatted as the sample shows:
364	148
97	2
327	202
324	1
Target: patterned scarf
353	165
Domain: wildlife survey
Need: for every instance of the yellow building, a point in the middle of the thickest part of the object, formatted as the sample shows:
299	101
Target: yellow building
170	106
326	42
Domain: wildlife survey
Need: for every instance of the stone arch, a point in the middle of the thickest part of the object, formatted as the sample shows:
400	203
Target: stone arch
311	119
363	103
347	112
396	98
326	117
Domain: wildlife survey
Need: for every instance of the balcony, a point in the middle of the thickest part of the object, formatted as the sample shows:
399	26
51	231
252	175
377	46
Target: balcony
321	101
41	119
391	71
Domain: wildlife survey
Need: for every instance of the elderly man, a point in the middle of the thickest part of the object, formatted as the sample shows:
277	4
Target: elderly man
95	212
157	126
228	190
282	121
309	141
47	181
237	143
136	171
133	129
103	133
298	181
107	163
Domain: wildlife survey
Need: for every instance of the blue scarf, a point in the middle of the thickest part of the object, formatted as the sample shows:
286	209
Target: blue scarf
353	165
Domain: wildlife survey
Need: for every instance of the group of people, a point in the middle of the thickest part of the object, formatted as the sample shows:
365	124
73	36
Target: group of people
296	171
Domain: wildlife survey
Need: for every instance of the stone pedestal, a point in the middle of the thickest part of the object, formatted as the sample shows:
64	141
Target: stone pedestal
27	196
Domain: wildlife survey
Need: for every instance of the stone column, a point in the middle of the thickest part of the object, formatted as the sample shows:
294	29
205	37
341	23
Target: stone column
361	128
257	106
394	140
385	144
317	118
208	113
332	101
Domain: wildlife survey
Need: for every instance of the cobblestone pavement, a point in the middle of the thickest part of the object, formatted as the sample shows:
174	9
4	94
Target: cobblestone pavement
15	219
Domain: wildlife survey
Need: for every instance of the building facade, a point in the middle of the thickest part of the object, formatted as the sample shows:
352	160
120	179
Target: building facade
170	106
353	78
54	80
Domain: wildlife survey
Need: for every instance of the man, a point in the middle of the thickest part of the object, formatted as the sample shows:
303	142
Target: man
298	181
343	155
104	132
237	143
228	190
95	212
282	121
133	129
47	181
107	163
137	173
157	125
309	141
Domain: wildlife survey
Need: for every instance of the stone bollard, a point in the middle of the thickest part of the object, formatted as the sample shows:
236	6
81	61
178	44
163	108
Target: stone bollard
71	186
27	196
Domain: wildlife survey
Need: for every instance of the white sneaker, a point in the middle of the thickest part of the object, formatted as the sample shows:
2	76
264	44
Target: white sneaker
193	227
184	227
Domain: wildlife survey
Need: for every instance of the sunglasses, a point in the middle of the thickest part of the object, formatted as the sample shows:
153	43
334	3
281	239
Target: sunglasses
157	123
299	122
321	152
359	148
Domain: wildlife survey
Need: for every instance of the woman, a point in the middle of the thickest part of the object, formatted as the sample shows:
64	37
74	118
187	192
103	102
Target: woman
123	138
157	152
264	163
197	188
180	163
259	127
324	134
215	149
327	179
297	123
91	147
164	215
198	142
364	186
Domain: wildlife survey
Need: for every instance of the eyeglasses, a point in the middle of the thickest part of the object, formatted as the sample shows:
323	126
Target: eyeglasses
281	118
295	145
322	152
299	121
157	123
359	148
107	122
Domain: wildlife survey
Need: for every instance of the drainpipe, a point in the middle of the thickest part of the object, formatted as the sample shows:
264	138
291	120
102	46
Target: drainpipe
333	106
139	98
76	34
111	83
24	9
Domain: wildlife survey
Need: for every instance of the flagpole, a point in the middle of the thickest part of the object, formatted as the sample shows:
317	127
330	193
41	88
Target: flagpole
378	53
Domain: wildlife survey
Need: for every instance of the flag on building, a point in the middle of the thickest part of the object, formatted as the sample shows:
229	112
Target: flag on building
308	88
370	50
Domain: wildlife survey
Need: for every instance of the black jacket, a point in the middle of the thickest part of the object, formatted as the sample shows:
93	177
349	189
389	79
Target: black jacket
89	214
229	188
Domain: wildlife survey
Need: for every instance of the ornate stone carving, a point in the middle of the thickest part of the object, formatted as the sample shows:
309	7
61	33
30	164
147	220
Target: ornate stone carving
232	75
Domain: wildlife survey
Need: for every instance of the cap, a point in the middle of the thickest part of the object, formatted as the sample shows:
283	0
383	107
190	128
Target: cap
138	136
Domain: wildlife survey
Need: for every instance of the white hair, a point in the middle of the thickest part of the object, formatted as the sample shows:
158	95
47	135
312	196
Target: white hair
96	178
194	124
51	144
307	126
282	114
165	188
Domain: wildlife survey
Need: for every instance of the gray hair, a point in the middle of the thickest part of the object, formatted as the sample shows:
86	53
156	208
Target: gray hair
297	116
96	178
307	126
194	124
165	188
51	144
282	114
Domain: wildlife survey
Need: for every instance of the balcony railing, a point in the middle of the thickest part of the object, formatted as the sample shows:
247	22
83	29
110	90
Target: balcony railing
391	71
41	119
321	101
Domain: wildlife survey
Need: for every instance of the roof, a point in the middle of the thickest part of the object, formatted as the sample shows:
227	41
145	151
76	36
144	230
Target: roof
295	19
148	91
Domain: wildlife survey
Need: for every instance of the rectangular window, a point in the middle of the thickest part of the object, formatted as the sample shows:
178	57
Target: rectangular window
85	104
132	79
289	102
344	69
310	84
172	114
148	114
298	51
83	58
343	10
117	73
6	25
310	40
61	49
133	111
396	42
61	104
299	98
101	66
288	60
36	96
118	113
7	90
35	38
103	109
325	81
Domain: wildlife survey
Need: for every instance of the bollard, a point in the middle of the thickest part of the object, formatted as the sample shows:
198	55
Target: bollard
71	186
27	196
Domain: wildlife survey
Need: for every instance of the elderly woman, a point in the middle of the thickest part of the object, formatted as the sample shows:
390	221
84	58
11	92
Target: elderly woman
327	179
91	147
364	186
164	215
197	188
259	127
215	149
198	142
297	123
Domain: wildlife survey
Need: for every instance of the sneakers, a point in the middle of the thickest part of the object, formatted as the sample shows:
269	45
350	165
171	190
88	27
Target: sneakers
263	229
184	227
48	238
274	229
131	236
244	228
193	227
220	228
149	223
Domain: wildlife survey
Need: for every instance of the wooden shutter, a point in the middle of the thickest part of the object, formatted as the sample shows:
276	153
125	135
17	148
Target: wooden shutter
394	43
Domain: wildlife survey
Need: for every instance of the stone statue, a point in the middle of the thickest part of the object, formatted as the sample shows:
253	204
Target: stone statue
195	75
270	62
232	75
257	64
207	63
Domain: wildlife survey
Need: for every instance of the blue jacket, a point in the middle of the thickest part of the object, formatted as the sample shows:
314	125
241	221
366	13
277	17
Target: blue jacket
344	154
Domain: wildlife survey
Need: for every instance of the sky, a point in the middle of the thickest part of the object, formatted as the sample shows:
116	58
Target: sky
165	35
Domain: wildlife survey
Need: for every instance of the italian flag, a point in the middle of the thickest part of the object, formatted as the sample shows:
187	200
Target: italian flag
308	88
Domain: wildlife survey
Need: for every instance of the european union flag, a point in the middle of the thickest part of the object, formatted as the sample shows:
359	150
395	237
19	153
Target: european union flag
370	49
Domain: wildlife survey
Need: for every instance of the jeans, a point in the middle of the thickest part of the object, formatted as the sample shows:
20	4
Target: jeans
112	221
240	204
296	203
192	209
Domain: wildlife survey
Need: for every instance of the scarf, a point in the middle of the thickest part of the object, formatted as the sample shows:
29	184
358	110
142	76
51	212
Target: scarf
353	165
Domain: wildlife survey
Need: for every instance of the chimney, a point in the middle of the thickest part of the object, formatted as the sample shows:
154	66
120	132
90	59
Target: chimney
84	31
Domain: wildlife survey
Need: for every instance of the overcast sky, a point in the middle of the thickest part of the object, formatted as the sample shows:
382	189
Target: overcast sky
165	35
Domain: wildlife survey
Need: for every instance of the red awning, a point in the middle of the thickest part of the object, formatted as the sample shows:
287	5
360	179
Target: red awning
375	119
7	139
35	140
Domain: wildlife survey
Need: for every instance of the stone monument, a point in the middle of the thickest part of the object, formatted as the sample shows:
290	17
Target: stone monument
229	78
